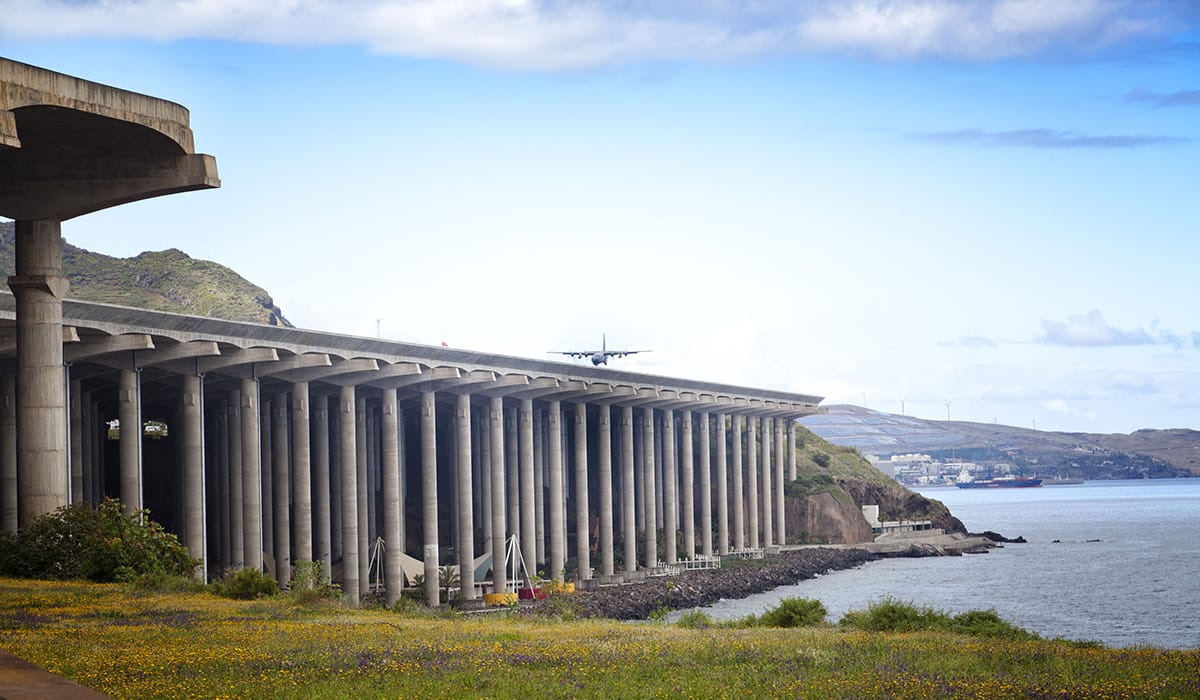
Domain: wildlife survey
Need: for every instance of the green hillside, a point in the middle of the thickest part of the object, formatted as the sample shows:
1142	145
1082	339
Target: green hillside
167	280
822	467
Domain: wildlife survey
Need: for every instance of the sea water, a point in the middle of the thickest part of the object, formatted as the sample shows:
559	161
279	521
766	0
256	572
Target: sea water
1112	561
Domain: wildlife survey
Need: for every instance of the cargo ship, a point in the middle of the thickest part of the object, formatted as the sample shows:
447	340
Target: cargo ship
966	481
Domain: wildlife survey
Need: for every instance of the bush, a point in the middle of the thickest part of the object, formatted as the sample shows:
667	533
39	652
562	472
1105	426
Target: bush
101	544
309	585
821	459
694	619
987	623
890	615
794	612
246	584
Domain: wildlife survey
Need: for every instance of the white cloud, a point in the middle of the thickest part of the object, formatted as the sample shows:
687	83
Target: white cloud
1091	330
1056	406
550	35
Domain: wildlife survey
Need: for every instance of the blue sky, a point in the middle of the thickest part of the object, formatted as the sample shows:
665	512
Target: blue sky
991	204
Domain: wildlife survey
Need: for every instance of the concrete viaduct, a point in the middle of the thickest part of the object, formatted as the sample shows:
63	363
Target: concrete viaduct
284	445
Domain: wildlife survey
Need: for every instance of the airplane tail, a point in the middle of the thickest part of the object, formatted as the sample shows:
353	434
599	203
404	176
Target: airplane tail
603	342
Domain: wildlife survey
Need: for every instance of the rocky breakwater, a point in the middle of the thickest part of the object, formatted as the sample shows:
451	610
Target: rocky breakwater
737	579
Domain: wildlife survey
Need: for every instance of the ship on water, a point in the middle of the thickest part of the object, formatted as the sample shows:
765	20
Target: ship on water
1008	481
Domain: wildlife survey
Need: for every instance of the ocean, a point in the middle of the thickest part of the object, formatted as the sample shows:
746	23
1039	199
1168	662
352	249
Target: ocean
1111	561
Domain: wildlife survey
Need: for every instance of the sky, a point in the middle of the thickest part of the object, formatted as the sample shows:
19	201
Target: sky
980	210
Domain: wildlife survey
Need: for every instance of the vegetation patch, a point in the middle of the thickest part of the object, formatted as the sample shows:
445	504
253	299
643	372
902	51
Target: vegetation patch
891	615
100	544
201	645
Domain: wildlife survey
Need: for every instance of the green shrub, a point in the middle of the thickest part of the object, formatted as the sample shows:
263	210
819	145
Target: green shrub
694	619
309	584
821	459
101	544
794	612
246	584
987	623
891	615
161	582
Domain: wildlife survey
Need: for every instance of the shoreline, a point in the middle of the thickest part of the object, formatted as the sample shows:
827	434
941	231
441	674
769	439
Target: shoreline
695	588
741	578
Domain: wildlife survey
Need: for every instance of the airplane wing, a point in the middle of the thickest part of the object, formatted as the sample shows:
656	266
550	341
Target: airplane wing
573	353
622	353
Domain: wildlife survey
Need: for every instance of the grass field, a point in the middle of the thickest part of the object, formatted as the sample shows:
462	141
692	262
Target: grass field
131	645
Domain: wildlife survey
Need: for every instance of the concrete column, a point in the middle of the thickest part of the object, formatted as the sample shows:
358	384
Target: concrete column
485	474
192	439
362	485
688	470
791	448
639	476
780	523
706	547
651	531
348	476
99	439
87	436
129	416
528	530
266	463
389	449
237	526
39	287
302	510
335	481
512	475
224	498
583	548
669	483
282	489
403	459
466	522
539	500
321	494
659	517
8	453
605	470
557	560
752	480
75	408
496	432
739	519
252	517
371	465
429	495
722	488
628	500
768	501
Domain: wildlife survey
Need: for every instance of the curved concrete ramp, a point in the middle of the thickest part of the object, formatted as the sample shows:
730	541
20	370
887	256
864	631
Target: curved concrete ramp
21	680
70	146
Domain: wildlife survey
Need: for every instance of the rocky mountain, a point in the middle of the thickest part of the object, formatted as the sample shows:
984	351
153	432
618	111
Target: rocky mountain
1141	454
166	280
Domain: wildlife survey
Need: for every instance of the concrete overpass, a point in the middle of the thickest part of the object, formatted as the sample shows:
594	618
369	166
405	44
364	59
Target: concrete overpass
70	147
285	445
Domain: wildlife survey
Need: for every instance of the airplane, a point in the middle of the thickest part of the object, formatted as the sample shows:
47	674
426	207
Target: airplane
598	357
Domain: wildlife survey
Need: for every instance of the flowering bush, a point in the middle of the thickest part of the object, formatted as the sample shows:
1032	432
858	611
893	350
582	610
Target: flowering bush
101	544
